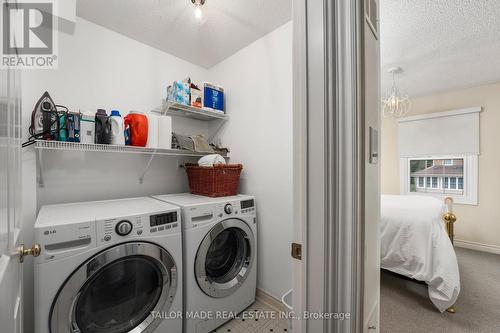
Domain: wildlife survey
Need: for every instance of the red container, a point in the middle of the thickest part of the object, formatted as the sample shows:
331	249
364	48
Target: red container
221	180
137	123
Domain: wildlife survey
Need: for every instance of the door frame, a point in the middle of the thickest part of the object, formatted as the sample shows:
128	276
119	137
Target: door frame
328	163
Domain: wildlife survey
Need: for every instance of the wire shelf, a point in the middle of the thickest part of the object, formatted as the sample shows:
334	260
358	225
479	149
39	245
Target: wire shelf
180	110
91	147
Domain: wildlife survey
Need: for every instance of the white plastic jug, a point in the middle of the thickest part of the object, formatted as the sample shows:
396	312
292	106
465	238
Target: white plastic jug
152	131
117	128
165	132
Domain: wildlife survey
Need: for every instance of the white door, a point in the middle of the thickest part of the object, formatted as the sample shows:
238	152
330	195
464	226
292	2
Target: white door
11	273
10	202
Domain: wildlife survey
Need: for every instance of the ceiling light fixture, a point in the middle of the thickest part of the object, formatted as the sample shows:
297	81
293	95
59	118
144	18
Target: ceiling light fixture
396	104
198	13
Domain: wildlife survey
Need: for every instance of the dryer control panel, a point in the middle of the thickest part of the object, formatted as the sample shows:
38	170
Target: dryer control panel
240	207
247	206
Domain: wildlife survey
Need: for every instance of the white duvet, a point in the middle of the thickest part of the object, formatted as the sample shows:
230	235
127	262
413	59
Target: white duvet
414	243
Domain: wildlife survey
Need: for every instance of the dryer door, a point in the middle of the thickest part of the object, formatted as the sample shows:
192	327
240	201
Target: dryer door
116	291
224	258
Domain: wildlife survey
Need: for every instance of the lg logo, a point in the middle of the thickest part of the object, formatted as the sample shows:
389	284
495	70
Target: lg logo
49	232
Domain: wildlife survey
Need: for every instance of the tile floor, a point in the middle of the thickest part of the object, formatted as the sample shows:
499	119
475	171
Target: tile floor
272	323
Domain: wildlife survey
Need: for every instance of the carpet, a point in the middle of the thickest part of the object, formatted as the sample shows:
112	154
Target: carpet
406	307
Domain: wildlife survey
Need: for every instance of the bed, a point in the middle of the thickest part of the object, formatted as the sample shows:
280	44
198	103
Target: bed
415	242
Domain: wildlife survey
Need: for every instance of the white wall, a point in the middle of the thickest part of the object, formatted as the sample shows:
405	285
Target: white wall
258	83
99	69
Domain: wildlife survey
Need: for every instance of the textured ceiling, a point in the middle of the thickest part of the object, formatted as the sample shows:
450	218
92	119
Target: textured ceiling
441	44
169	25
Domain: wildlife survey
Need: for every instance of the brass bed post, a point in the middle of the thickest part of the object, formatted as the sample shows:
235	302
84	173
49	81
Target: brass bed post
449	220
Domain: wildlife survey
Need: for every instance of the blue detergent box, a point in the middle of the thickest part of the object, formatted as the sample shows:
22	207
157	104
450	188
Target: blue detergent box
73	126
213	97
180	93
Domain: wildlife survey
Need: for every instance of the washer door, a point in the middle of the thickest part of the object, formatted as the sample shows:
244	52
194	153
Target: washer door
116	291
224	258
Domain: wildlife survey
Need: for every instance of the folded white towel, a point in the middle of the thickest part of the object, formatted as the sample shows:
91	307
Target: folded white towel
211	160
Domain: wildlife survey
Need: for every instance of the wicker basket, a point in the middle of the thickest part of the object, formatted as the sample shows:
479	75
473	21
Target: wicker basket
218	181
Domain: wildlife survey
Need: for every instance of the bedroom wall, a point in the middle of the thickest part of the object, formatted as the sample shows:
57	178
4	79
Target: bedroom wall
478	226
258	83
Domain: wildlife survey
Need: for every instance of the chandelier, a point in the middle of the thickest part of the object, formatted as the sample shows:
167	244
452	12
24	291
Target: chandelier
396	104
198	13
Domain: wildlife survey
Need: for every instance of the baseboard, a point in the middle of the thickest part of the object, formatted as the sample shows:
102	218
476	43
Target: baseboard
477	246
269	300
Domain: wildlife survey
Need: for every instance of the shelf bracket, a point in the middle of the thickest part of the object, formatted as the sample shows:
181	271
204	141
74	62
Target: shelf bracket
146	169
214	137
39	168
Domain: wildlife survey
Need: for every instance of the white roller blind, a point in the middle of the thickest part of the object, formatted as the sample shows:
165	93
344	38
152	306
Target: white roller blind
441	133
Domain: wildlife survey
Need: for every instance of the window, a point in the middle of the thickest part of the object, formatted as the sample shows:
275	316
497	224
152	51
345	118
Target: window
444	177
453	183
434	182
421	182
442	145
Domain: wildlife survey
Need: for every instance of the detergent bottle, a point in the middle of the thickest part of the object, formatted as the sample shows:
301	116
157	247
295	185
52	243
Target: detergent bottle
136	125
102	127
117	127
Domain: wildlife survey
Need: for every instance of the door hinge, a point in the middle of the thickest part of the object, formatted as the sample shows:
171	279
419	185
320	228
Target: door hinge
297	251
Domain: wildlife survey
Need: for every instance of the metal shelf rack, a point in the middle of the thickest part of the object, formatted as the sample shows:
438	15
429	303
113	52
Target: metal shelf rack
180	110
41	145
91	147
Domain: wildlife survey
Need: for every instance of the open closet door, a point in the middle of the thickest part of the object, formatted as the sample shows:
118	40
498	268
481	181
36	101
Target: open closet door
371	129
328	165
10	205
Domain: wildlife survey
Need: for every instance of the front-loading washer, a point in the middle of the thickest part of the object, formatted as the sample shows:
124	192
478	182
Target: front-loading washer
220	258
109	266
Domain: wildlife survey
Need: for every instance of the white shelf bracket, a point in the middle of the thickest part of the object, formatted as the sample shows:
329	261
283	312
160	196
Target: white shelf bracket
146	169
39	168
214	137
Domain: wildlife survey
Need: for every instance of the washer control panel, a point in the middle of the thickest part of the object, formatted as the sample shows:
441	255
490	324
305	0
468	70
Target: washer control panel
123	228
132	227
228	208
161	222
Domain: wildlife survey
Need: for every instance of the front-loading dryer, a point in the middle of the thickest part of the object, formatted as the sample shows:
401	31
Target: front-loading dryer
220	258
109	266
